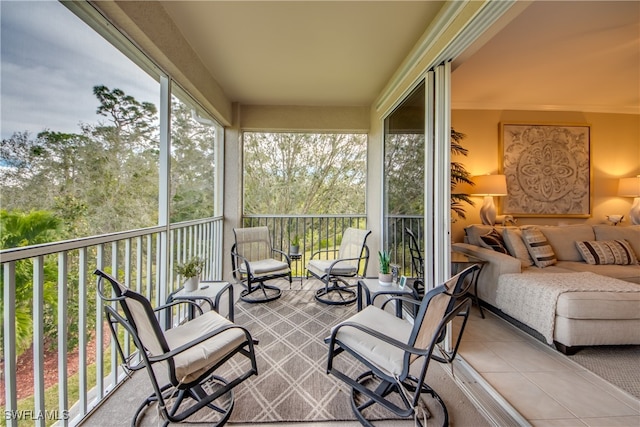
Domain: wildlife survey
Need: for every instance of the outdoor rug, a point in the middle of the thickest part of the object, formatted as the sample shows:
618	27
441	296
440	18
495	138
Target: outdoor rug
292	383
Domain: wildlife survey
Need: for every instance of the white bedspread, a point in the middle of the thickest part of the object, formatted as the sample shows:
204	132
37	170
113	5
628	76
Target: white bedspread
532	298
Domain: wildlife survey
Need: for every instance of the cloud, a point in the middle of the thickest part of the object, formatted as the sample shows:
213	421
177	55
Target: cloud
50	62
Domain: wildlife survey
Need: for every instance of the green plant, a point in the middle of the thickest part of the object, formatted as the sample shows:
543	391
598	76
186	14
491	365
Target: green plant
295	241
385	262
191	268
459	175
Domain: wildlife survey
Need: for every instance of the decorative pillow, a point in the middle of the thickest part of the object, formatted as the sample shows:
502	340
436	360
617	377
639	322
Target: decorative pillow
617	252
493	239
539	248
515	246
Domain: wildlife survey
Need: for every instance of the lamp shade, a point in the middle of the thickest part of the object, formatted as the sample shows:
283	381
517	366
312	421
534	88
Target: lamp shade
489	185
629	187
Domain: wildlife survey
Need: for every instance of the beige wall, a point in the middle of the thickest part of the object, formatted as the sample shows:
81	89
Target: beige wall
615	153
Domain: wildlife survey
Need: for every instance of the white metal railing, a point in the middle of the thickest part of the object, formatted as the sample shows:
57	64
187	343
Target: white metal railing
142	259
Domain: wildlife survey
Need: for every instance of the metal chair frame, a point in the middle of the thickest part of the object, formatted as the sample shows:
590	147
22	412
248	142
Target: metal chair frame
417	261
256	282
407	386
175	388
334	281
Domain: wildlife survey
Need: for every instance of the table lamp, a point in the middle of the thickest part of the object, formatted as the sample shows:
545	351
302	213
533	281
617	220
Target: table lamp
630	187
489	186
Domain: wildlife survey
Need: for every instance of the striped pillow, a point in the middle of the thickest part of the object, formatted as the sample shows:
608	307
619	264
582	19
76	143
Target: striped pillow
617	252
494	240
539	248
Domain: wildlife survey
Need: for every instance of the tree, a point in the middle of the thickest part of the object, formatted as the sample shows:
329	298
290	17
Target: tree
304	173
101	180
18	229
192	165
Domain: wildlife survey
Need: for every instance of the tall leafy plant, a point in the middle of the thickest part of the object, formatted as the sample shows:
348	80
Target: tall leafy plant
459	175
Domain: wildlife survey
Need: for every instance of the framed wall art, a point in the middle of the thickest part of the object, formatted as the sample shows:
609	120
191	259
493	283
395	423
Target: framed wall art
547	168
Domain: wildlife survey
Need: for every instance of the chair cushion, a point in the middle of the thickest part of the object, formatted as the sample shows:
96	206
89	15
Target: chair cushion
265	266
383	355
192	363
320	267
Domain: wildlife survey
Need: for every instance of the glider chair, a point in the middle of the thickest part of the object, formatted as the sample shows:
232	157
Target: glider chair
254	261
190	352
417	261
351	256
397	353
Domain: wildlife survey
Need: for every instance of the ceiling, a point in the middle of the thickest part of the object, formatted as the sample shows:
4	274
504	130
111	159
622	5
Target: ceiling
573	56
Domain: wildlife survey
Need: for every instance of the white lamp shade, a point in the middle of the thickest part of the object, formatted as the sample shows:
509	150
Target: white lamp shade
489	185
629	187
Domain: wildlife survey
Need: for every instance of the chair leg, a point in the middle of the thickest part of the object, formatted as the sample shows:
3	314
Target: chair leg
364	396
338	287
269	293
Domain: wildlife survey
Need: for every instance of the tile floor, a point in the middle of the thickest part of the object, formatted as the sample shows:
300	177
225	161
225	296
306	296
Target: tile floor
544	386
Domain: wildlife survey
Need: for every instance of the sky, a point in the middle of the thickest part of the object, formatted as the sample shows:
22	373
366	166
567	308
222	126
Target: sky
50	60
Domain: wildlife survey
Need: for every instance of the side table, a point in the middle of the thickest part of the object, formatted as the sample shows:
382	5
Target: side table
209	292
372	289
296	258
460	261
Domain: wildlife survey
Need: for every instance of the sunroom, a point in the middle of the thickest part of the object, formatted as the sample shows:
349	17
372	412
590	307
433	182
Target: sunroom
226	70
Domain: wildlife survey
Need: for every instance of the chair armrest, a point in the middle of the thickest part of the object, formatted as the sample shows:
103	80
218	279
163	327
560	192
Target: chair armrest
392	298
321	251
283	254
176	302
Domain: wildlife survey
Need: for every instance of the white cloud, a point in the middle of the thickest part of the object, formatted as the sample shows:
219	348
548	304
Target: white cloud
51	61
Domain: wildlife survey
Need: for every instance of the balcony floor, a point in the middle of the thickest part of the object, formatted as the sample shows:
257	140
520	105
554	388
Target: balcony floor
525	378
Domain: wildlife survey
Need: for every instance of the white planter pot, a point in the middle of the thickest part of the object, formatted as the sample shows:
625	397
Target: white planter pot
385	279
192	283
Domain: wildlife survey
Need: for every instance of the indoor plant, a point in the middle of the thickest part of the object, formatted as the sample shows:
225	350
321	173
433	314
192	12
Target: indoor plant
191	270
294	245
384	273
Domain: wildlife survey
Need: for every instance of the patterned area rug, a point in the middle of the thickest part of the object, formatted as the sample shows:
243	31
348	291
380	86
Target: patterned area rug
292	383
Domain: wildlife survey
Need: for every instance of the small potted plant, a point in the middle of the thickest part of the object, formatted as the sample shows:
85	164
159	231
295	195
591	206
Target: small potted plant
191	270
384	273
294	245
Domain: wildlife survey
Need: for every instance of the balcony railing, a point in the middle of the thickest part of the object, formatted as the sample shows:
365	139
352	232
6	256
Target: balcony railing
325	231
141	259
314	231
53	285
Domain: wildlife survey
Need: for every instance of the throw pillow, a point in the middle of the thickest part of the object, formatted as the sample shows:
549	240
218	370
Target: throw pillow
515	246
494	240
607	252
539	248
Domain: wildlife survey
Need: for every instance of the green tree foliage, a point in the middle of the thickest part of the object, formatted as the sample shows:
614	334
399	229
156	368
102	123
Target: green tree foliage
101	180
19	229
192	165
459	175
304	173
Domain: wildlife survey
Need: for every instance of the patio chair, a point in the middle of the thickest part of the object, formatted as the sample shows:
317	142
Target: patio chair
417	261
352	257
254	261
388	346
191	353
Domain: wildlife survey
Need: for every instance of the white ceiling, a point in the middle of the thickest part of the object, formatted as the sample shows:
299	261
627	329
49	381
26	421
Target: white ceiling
573	55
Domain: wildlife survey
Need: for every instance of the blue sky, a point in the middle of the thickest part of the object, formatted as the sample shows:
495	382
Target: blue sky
50	62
